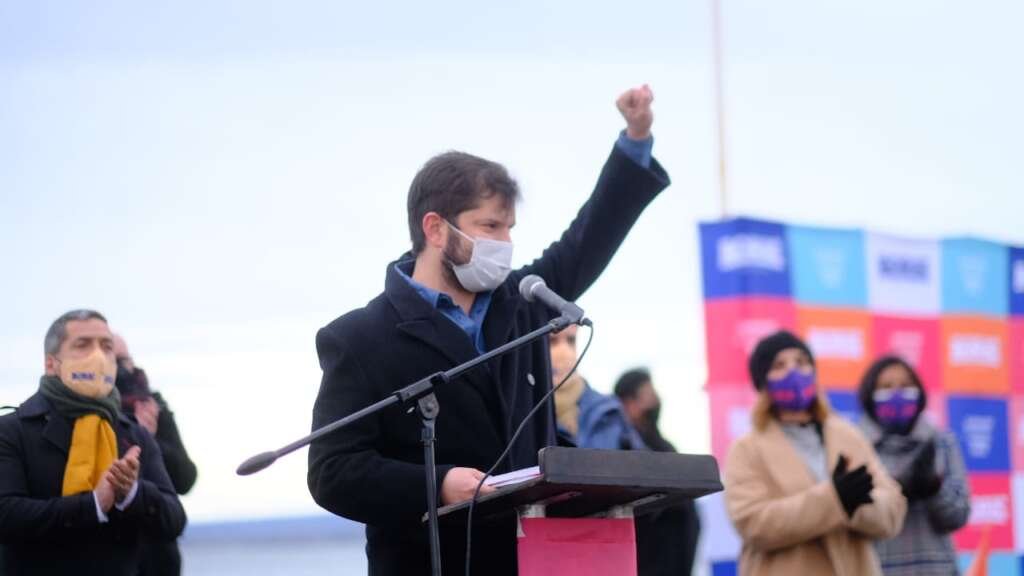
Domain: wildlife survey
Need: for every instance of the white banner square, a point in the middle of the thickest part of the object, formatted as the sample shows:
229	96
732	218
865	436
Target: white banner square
903	275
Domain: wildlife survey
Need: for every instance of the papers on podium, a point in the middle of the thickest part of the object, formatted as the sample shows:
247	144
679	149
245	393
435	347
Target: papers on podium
513	477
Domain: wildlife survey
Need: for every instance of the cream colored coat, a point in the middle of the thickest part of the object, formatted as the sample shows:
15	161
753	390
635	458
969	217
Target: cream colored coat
792	524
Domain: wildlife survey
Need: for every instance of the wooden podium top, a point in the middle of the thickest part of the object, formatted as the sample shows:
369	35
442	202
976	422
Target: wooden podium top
577	482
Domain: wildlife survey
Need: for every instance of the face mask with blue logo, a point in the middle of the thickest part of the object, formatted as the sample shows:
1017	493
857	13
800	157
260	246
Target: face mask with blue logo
794	392
895	408
92	376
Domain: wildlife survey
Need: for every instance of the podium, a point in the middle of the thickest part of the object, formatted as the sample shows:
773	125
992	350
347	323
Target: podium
576	515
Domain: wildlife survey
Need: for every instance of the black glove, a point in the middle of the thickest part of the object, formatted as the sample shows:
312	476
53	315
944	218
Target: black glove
853	487
922	482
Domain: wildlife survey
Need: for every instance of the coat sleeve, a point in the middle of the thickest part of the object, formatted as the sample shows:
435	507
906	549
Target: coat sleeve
768	522
347	475
883	517
179	466
950	507
23	517
156	508
571	264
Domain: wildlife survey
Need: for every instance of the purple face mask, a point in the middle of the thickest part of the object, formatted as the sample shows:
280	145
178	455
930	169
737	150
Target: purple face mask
795	391
896	407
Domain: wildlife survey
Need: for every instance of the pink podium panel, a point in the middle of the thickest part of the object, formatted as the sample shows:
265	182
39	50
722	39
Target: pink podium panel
577	547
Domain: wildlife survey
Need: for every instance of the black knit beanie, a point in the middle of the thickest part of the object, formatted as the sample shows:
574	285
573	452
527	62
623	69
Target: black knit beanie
764	354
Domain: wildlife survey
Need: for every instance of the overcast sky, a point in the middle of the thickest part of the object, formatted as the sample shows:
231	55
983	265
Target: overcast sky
223	178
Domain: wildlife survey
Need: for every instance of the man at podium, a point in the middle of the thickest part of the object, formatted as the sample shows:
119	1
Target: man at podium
450	298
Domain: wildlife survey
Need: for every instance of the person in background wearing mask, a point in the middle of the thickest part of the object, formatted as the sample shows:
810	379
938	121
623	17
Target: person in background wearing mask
452	297
81	485
804	489
666	541
924	460
152	413
585	417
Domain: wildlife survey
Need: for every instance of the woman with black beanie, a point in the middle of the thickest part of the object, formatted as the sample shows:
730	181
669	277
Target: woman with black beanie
925	461
804	489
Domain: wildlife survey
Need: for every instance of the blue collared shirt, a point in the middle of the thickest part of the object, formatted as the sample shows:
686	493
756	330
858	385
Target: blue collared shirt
471	323
638	151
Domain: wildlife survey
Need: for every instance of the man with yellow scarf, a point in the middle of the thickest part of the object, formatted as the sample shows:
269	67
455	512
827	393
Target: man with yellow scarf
80	483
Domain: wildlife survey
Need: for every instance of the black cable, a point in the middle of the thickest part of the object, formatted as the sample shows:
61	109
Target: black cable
542	402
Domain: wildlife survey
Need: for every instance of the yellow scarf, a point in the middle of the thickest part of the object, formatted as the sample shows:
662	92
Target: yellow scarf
93	450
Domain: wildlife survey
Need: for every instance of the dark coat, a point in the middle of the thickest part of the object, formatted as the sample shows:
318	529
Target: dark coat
46	533
372	472
666	541
180	467
161	557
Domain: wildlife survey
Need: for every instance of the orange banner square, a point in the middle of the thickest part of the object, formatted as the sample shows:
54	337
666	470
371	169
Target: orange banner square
974	354
841	342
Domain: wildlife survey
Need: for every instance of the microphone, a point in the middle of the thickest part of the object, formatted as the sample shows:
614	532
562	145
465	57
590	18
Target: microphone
533	288
256	463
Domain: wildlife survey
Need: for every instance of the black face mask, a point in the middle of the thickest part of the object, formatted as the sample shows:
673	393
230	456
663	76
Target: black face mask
133	386
650	416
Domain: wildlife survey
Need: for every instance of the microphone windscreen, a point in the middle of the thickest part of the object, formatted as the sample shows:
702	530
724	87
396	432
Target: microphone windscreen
527	284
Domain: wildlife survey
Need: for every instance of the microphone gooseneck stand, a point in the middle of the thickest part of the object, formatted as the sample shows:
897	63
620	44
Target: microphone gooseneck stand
422	393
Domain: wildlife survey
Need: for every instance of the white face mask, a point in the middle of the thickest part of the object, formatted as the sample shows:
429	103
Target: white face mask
488	266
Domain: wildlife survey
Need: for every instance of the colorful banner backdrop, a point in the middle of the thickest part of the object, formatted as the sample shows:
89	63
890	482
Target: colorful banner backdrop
953	308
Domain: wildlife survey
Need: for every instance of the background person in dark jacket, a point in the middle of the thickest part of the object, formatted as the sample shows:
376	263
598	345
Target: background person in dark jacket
151	411
667	540
80	483
451	298
925	461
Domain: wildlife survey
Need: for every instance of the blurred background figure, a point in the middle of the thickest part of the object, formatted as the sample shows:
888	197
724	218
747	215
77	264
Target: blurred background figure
584	416
151	411
667	540
804	489
924	460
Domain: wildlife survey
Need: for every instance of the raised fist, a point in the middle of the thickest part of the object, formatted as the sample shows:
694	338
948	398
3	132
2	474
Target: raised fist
635	106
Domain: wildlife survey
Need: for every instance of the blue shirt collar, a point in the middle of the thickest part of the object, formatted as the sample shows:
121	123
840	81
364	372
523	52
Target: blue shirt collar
470	323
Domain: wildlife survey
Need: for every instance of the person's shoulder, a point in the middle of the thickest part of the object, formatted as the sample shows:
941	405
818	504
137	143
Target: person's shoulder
9	421
743	451
357	321
592	401
25	421
946	438
34	406
748	440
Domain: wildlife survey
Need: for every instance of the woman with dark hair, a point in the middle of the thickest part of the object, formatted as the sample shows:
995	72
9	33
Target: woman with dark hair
924	460
804	489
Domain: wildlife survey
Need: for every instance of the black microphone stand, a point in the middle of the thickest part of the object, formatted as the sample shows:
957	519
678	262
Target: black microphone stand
421	392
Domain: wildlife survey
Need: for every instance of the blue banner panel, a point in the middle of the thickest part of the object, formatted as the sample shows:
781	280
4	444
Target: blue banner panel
1017	281
1000	564
980	424
744	257
974	277
827	266
845	404
725	568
